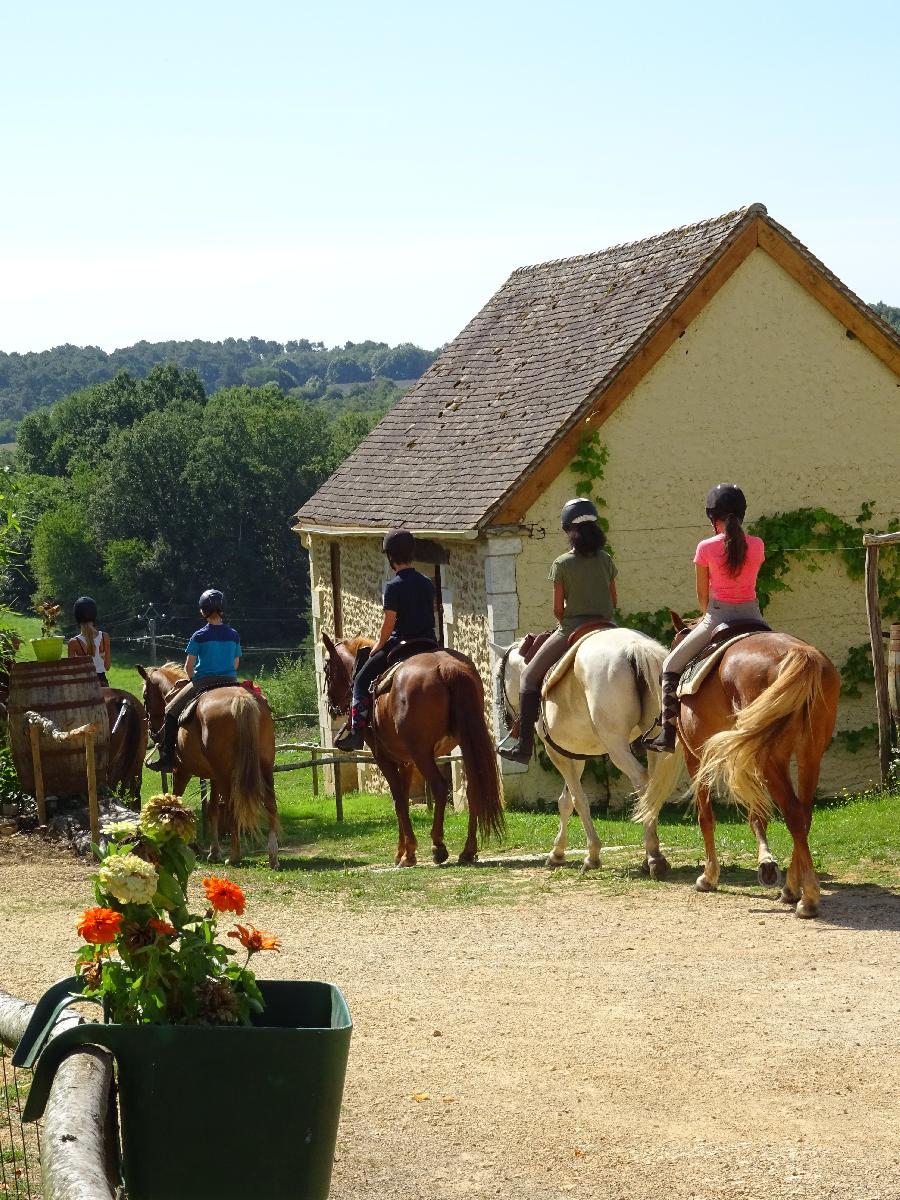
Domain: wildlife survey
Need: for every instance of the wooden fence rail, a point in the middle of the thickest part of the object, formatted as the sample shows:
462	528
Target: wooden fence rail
77	1142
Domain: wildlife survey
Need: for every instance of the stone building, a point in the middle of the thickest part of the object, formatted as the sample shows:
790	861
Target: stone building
721	350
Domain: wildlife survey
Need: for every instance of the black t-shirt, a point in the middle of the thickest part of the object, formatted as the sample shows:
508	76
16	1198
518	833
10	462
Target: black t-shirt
411	596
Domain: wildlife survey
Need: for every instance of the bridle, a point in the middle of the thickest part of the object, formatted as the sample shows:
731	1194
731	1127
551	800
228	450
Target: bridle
504	707
334	709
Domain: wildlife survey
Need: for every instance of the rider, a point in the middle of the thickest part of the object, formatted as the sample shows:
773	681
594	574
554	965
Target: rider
727	566
408	616
89	641
584	590
213	654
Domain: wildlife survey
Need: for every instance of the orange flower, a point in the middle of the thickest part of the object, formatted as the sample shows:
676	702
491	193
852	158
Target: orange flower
224	896
99	925
255	939
163	928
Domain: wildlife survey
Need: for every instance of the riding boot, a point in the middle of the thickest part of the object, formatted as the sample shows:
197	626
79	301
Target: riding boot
353	735
529	711
165	756
664	742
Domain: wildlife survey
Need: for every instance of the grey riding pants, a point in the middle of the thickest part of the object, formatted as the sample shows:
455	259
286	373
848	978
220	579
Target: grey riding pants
548	655
717	612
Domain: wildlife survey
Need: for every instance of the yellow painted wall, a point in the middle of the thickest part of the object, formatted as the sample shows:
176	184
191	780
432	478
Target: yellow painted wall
765	389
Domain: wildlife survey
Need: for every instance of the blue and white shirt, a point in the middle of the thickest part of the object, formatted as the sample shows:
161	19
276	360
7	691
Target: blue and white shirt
215	648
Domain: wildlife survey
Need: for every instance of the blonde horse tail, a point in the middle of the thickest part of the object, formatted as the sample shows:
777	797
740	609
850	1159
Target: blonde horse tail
248	787
479	756
665	772
736	758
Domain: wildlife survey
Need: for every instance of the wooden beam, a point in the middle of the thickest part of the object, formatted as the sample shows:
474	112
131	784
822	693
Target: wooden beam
606	400
808	275
881	539
873	612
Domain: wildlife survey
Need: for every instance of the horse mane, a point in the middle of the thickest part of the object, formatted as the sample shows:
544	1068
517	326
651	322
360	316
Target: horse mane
173	670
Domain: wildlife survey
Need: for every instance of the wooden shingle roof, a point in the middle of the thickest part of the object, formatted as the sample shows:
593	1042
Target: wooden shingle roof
521	377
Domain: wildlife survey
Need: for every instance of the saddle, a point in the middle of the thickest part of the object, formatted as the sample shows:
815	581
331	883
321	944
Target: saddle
723	636
187	713
397	657
532	642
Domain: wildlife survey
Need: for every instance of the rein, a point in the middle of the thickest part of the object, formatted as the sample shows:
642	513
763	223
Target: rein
505	708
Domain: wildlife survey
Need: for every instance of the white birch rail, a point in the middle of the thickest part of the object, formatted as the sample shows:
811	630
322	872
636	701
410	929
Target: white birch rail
78	1146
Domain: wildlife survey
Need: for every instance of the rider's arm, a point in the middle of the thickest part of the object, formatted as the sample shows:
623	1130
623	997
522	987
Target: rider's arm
189	663
559	601
702	571
387	628
613	594
107	653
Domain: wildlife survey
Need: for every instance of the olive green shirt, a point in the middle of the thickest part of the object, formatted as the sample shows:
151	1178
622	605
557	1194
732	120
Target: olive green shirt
585	582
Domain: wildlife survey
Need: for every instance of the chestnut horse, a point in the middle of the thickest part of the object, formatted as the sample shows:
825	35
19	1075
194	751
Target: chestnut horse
435	702
127	741
230	741
770	698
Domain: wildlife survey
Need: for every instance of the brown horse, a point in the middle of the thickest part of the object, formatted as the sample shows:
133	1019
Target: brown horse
230	741
435	702
770	698
127	741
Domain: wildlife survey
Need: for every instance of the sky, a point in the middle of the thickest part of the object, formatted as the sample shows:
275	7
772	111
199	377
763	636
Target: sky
341	171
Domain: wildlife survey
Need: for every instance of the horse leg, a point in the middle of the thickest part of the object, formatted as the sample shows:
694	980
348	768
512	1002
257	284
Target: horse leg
655	863
571	770
437	782
398	776
802	884
557	856
709	880
767	870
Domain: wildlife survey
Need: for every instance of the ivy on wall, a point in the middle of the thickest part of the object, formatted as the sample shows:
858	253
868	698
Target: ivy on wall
589	466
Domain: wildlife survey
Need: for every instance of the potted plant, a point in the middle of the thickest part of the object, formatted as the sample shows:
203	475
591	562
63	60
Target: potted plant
50	644
249	1072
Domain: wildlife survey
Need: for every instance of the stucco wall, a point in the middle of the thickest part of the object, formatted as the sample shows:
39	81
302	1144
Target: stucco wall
766	389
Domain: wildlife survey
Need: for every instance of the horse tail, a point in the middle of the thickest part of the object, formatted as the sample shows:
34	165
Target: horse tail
665	772
247	784
735	759
479	756
647	657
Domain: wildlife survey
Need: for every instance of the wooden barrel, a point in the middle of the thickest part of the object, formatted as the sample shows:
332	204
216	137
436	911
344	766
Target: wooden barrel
67	693
893	671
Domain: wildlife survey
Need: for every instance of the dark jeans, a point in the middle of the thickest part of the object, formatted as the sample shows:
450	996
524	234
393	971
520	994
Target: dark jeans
371	669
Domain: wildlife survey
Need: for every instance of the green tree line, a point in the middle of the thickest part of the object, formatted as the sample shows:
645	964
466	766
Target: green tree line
36	380
150	490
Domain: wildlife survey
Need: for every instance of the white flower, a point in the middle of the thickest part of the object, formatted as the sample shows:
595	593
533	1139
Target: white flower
117	830
128	878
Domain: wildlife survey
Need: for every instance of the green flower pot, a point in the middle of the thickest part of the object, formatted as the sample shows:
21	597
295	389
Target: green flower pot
46	649
217	1112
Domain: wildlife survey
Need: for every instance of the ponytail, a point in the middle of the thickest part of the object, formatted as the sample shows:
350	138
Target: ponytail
89	631
735	544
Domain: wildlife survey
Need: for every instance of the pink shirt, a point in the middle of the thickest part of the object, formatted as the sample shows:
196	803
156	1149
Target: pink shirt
724	587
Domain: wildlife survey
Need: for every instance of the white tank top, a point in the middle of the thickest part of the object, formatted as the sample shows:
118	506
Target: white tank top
99	664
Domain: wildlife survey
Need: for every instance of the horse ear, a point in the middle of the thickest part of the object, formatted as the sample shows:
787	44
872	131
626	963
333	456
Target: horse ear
677	623
142	671
498	650
329	644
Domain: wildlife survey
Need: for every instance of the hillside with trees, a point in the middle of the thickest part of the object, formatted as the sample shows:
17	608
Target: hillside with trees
36	380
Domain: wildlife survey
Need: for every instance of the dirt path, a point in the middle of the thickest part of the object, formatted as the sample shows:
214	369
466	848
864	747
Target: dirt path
653	1044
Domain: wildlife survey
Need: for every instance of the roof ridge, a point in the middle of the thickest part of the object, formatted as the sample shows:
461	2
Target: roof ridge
756	209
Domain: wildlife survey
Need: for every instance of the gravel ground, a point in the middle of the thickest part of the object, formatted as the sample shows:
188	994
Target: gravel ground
583	1044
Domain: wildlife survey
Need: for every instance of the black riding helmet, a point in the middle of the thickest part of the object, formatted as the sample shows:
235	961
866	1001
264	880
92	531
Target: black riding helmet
399	545
577	512
212	601
724	500
84	610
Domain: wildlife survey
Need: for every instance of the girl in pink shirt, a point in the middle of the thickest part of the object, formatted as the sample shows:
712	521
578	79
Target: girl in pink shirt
727	566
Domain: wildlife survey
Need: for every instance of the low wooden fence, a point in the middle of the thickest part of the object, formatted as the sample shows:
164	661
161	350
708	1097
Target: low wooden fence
72	1156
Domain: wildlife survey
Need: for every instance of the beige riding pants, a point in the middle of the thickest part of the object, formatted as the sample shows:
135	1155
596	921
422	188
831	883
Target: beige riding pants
715	614
548	655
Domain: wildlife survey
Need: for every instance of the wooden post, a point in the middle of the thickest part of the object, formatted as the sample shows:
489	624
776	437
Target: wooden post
338	793
35	735
164	780
93	807
873	612
315	774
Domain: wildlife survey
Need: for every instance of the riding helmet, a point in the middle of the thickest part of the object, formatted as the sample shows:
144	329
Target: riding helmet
577	512
399	545
84	610
212	601
724	500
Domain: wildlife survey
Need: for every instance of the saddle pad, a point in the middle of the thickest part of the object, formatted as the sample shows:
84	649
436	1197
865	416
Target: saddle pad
382	683
697	669
187	713
556	672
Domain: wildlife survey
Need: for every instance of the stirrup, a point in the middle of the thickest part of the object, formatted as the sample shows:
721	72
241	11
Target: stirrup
665	741
162	762
515	753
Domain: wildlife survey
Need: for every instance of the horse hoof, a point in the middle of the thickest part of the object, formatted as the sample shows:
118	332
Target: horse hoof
553	863
806	911
408	860
788	897
467	860
274	864
213	857
703	885
768	873
439	854
658	868
590	864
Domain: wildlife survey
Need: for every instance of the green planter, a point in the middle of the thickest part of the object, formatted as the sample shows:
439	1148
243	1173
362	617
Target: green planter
46	649
216	1112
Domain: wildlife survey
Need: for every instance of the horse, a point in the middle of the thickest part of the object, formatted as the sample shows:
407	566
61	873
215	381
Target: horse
127	741
435	702
608	696
230	741
770	698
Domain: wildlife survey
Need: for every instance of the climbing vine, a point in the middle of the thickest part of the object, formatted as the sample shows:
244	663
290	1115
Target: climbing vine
589	467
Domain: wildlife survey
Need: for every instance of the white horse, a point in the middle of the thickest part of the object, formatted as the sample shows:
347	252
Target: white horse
608	696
